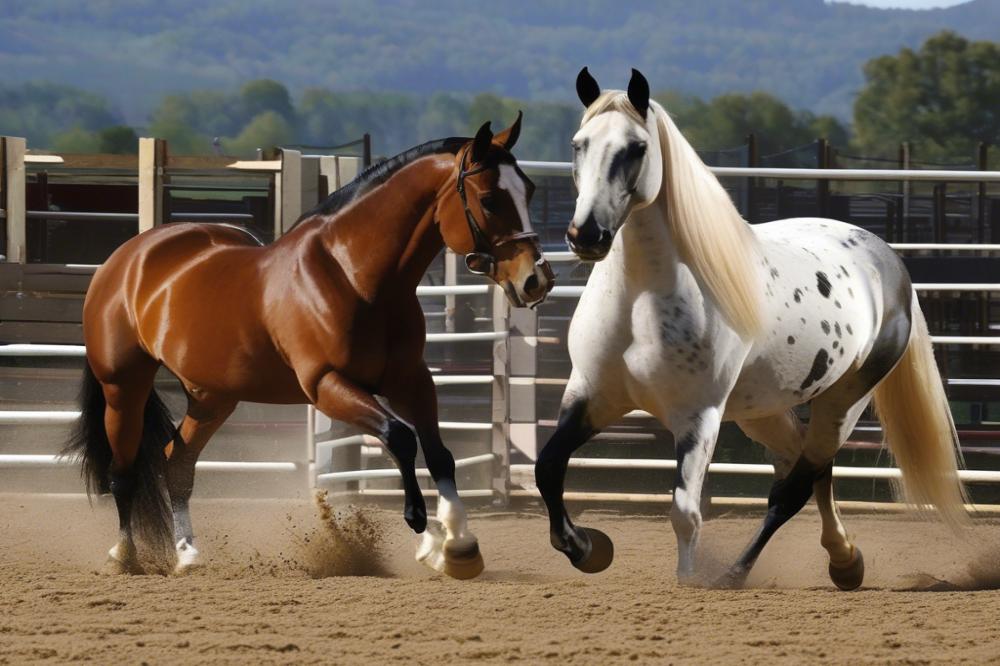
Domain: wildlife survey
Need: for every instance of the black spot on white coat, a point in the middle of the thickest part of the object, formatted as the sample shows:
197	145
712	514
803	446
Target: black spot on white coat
817	371
823	284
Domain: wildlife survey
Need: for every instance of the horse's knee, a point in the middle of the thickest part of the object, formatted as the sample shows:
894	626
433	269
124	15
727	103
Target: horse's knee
685	515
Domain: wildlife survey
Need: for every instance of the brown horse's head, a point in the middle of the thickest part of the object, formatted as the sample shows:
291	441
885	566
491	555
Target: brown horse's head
484	215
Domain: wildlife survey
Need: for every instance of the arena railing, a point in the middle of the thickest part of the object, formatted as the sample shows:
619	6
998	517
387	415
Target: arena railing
525	471
514	377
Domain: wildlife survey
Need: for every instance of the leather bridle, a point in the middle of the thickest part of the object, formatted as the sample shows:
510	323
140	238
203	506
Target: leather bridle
483	250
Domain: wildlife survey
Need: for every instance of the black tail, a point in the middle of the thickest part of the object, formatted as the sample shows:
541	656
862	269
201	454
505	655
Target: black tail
151	516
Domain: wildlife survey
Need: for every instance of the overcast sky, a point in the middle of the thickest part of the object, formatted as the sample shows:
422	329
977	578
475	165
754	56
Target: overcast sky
906	4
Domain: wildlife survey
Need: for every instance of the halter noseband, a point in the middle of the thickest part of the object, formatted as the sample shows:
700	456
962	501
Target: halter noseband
482	251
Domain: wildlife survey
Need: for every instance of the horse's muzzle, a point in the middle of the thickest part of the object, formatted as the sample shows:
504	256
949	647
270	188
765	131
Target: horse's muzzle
590	241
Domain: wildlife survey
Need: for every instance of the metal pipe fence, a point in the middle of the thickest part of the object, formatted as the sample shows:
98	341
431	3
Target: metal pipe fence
514	376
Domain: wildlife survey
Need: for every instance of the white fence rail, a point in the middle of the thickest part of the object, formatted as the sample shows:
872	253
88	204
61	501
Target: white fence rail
927	175
513	424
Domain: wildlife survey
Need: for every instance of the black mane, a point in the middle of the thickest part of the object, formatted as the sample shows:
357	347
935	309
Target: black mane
378	173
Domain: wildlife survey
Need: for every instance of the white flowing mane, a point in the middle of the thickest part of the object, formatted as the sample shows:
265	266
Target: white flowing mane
709	233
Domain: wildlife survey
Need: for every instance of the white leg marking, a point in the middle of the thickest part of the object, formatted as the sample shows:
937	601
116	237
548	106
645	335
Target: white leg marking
187	555
695	444
447	539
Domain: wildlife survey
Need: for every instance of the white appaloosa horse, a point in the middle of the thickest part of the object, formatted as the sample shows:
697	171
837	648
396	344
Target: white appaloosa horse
698	318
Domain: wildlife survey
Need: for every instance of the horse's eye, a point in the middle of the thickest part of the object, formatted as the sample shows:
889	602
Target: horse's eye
636	150
488	203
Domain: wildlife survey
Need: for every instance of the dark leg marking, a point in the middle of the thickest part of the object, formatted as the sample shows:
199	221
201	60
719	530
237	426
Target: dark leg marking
787	498
122	487
550	475
401	443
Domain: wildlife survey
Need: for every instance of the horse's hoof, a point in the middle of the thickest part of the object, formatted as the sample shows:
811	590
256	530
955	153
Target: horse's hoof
850	575
733	579
463	565
122	560
188	558
416	519
187	569
457	558
117	567
602	552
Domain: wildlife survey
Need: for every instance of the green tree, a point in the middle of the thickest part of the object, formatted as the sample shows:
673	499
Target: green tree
267	130
487	106
41	111
183	139
443	115
263	95
76	141
118	140
943	99
725	122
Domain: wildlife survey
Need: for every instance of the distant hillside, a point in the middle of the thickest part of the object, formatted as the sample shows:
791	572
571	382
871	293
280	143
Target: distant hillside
804	51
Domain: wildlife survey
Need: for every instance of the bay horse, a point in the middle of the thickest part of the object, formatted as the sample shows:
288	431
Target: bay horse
698	318
326	315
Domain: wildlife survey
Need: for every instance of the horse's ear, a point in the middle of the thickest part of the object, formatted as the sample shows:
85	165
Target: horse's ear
638	92
481	144
508	137
586	88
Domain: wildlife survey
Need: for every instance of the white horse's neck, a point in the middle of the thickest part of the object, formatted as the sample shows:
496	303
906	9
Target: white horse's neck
645	248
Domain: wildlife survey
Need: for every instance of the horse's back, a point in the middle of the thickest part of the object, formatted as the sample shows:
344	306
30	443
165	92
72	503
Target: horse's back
137	294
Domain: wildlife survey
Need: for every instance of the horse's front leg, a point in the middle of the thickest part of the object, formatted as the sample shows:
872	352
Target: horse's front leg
580	418
447	546
694	436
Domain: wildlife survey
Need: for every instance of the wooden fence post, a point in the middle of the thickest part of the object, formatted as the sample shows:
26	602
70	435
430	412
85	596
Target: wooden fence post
13	149
287	192
366	150
152	164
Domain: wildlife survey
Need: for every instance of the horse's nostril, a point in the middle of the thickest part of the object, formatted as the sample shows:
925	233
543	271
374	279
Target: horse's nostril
588	235
605	237
531	284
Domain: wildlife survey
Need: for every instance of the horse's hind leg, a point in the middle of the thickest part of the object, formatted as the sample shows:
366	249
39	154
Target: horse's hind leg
203	419
123	422
832	419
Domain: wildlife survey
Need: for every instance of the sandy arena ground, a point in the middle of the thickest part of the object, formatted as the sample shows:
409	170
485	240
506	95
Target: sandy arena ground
267	594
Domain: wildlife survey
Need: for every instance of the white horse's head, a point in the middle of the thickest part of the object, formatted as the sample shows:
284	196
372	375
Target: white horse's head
617	162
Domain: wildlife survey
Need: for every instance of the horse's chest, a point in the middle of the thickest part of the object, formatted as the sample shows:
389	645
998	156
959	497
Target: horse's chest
669	339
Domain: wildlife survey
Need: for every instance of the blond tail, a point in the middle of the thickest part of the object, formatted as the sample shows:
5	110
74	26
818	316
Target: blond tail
919	429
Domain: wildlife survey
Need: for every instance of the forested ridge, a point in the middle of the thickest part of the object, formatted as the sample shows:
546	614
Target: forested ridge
234	76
